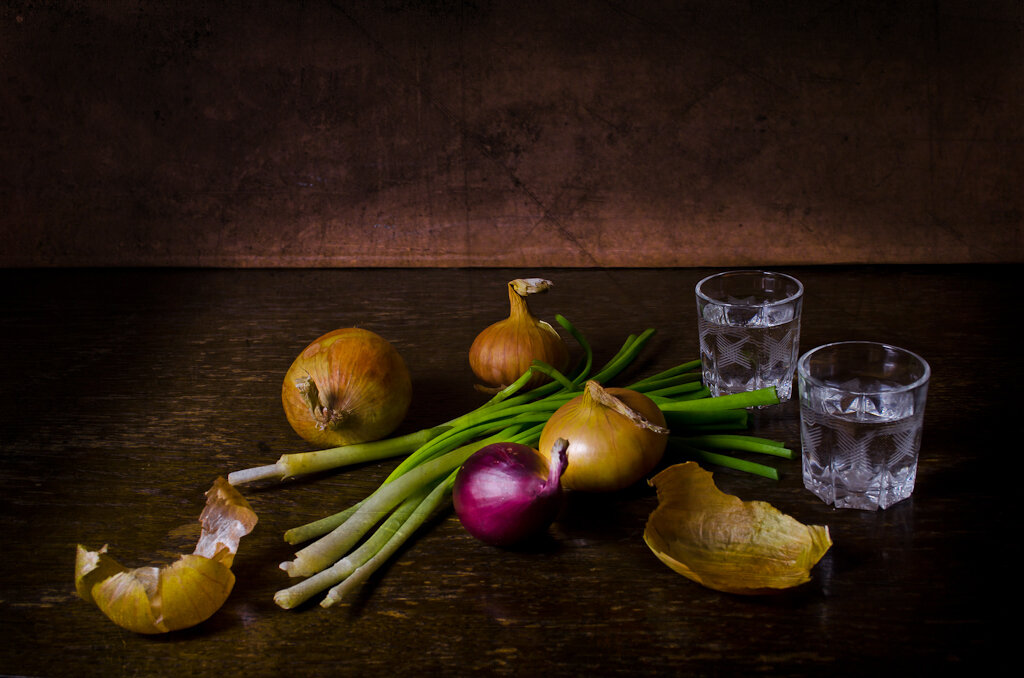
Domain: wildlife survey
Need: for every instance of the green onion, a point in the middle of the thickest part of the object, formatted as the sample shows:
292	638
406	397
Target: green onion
725	460
431	504
740	443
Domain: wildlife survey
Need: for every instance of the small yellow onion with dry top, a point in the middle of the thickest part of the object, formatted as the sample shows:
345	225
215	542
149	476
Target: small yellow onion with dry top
158	600
504	351
725	543
616	437
349	386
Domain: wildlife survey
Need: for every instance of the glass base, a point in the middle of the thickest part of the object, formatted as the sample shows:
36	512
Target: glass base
872	499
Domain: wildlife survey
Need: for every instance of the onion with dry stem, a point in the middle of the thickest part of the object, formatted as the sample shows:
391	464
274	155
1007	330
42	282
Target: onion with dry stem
616	437
349	386
505	350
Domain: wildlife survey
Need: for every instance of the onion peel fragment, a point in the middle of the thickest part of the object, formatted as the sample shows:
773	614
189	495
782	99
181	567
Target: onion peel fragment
725	543
184	593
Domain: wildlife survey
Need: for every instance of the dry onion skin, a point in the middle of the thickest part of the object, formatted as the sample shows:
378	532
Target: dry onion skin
502	352
153	600
725	543
348	386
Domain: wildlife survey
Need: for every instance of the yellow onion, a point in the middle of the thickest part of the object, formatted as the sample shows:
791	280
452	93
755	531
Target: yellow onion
725	543
616	436
504	351
188	591
349	386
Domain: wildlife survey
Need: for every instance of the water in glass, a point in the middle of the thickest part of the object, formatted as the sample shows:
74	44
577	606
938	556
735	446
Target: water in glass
743	349
860	451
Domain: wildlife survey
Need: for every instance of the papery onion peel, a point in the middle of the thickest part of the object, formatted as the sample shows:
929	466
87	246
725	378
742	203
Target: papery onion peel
725	543
152	600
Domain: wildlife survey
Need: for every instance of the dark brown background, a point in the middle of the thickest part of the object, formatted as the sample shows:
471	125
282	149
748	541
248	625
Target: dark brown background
447	133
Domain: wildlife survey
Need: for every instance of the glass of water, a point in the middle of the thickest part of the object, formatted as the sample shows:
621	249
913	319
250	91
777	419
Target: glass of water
861	415
749	324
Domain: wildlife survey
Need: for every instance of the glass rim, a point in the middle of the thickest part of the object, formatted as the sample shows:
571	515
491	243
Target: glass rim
750	272
801	367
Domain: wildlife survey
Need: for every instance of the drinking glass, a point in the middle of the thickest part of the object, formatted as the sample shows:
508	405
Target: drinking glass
861	415
749	324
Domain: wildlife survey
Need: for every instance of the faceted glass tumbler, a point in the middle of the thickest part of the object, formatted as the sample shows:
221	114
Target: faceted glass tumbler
861	417
749	325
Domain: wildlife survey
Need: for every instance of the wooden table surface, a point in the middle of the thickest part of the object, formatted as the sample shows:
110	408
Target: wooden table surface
126	392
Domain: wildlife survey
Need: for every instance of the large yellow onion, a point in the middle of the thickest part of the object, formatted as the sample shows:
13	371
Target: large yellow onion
616	436
504	351
348	386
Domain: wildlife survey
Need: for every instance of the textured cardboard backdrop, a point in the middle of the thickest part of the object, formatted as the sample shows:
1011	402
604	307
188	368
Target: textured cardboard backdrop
459	133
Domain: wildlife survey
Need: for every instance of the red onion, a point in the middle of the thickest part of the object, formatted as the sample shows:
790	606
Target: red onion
507	492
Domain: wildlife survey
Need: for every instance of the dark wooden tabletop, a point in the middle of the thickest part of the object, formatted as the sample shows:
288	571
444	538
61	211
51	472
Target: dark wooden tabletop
126	392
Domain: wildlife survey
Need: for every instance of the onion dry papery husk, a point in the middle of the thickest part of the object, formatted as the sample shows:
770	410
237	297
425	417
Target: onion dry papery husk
153	600
502	352
348	386
725	543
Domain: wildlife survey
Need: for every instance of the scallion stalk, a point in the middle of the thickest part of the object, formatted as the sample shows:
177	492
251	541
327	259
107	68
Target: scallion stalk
675	390
684	370
726	461
304	463
433	502
739	443
319	528
732	401
309	587
332	546
706	420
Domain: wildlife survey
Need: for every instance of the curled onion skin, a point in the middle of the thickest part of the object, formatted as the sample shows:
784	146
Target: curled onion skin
507	492
187	592
610	450
502	352
349	386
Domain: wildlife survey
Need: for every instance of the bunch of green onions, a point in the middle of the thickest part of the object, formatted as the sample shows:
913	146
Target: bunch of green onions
343	557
